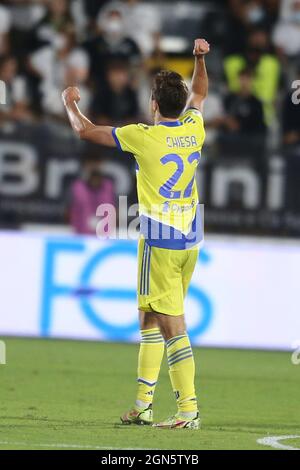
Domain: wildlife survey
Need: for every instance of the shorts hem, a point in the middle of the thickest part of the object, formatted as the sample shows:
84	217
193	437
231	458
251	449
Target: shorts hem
151	306
165	312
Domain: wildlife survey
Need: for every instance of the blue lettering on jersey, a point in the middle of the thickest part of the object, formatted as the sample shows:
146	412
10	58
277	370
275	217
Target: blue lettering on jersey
185	142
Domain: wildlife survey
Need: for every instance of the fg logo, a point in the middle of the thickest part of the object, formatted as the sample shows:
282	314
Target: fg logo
58	256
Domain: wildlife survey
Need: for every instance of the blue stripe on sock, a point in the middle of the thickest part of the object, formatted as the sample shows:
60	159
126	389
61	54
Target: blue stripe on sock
187	351
181	359
170	362
156	335
173	340
153	331
174	354
150	384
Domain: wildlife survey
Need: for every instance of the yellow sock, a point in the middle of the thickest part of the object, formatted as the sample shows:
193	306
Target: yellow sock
150	357
182	373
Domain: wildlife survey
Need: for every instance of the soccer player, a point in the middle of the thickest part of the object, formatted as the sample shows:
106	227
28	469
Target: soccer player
167	155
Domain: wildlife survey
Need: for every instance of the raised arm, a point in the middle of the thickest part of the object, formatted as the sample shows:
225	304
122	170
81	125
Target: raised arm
199	87
84	128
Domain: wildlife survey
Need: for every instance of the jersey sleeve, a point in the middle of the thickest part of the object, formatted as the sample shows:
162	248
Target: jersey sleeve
191	114
194	117
130	138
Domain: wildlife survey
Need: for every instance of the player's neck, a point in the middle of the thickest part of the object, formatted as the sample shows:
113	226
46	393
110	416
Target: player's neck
159	118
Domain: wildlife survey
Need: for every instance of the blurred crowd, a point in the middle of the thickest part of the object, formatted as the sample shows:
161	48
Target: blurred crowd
111	49
46	45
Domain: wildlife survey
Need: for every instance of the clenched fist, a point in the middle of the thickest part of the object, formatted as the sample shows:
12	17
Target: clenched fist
70	95
201	47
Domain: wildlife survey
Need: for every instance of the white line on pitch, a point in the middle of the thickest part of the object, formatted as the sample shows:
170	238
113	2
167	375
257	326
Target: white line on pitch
66	446
274	441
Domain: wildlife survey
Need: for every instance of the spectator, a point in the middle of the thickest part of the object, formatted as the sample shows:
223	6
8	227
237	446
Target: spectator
16	107
110	43
91	9
272	8
26	14
286	36
266	70
59	65
249	12
246	14
286	8
116	102
56	19
244	130
5	25
87	193
142	23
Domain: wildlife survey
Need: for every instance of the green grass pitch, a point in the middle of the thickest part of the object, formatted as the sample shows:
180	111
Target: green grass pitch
70	394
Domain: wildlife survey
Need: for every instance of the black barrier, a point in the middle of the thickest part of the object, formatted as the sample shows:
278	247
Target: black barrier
37	166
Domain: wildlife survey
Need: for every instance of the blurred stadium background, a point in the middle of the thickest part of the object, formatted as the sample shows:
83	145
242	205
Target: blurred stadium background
58	280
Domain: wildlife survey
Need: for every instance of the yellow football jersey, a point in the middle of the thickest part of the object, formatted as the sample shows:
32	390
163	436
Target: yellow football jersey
167	156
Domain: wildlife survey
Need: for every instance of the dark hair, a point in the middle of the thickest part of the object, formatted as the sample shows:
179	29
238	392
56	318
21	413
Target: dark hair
170	92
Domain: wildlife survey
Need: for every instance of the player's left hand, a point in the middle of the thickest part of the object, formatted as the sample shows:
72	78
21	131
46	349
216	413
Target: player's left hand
201	47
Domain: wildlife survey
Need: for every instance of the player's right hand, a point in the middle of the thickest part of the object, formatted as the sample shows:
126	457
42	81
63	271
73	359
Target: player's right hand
70	95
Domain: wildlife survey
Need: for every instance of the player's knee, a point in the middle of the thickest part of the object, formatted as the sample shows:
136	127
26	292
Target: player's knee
171	326
171	332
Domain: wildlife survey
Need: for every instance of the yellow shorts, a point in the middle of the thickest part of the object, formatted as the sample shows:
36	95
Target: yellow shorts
164	277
